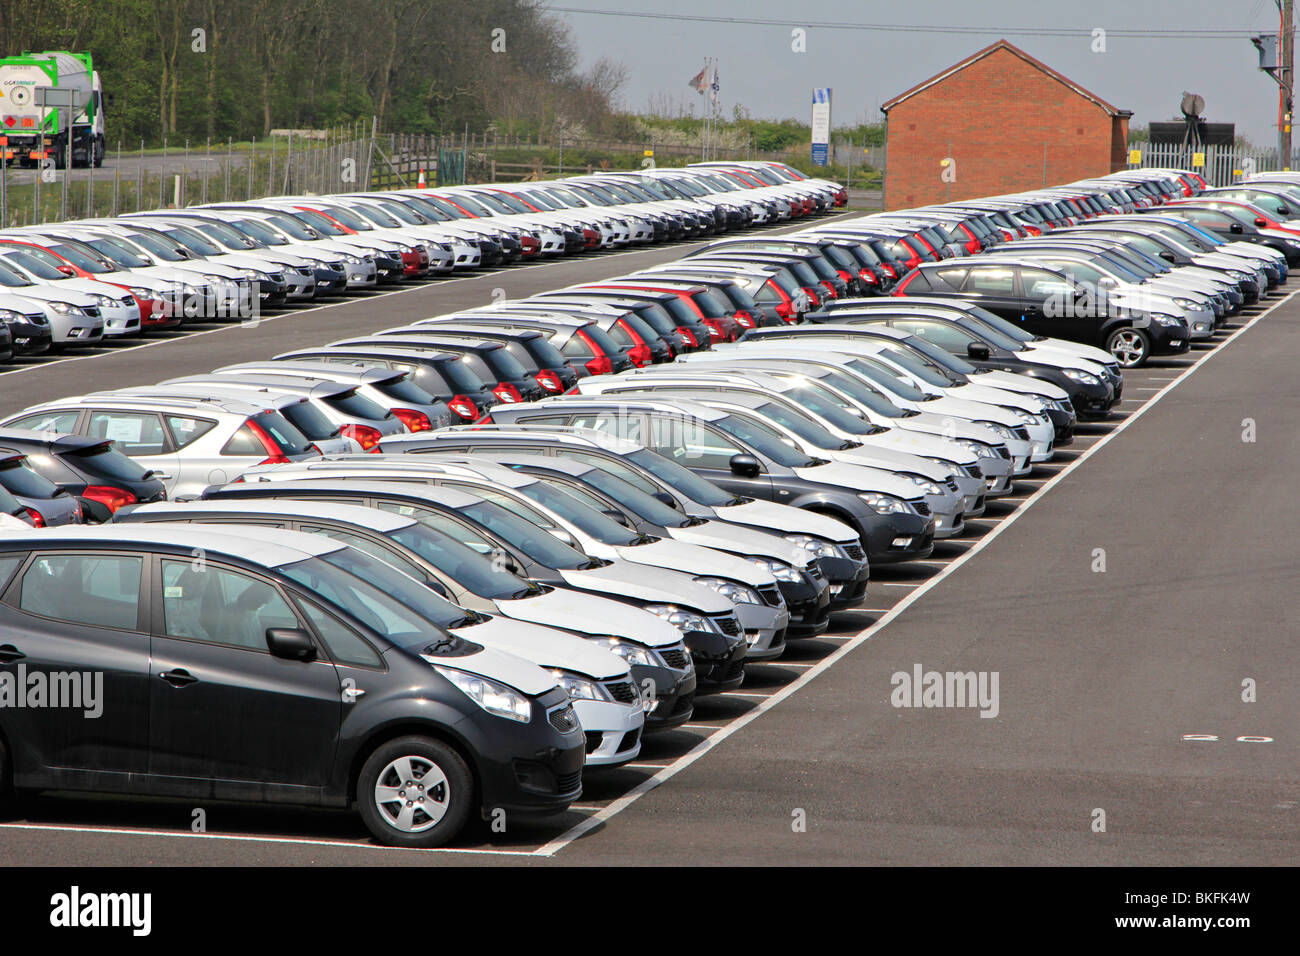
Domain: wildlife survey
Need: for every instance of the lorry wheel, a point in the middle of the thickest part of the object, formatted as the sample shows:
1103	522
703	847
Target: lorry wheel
415	792
99	151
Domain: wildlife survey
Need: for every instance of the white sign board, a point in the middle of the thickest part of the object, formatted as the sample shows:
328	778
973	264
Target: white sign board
821	125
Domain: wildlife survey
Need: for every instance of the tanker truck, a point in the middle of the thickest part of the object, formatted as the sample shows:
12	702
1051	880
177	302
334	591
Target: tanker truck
31	128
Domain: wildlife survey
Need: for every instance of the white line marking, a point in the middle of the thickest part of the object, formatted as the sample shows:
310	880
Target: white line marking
131	831
713	740
743	693
699	727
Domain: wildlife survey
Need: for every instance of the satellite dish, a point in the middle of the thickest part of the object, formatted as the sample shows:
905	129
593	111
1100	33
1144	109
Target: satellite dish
1193	105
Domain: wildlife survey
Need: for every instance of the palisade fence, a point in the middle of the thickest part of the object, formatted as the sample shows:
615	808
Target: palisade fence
1223	165
351	158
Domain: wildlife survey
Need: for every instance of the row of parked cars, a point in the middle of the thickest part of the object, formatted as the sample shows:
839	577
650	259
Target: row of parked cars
77	284
444	568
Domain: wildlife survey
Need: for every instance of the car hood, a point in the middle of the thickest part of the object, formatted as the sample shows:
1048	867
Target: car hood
724	536
495	664
786	519
591	614
858	478
695	560
545	647
642	582
1020	383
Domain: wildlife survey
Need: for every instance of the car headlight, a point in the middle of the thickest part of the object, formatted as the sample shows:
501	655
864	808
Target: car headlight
579	688
817	547
1187	303
926	485
778	569
1239	276
1165	320
67	308
217	280
679	618
1029	418
403	247
632	653
731	590
351	259
980	449
7	315
1079	375
952	467
494	697
1006	434
884	504
105	302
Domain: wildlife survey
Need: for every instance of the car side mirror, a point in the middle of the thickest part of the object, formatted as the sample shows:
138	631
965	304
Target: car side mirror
67	270
665	498
290	643
977	351
1236	229
745	466
438	587
618	516
1167	256
1261	221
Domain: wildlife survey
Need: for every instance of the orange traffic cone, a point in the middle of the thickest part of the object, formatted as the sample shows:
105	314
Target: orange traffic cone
420	183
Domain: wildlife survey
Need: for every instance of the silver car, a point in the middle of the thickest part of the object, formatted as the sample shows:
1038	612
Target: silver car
189	444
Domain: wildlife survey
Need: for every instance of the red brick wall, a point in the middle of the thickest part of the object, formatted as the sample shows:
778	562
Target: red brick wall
994	118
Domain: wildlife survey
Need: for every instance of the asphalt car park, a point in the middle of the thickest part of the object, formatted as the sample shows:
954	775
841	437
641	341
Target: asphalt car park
1110	684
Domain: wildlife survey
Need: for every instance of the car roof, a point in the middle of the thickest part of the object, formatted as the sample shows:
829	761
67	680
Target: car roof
285	547
650	404
374	519
56	442
541	434
451	497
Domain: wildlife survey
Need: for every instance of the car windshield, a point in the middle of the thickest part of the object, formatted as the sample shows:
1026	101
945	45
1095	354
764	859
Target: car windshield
118	251
471	570
192	240
260	231
346	216
75	254
321	224
922	369
539	545
682	479
825	404
601	527
11	277
635	500
764	439
156	245
468	203
378	595
34	266
887	379
801	425
228	235
105	461
863	394
293	226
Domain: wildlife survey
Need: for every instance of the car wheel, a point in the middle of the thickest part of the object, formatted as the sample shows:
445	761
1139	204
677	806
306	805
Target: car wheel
1131	347
415	792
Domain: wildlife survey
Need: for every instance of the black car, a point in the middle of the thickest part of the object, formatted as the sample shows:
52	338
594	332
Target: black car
737	456
286	668
1232	224
1048	301
662	311
520	548
441	374
90	468
27	332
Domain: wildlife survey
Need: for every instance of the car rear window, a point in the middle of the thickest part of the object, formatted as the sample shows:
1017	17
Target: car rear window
405	390
311	421
105	462
17	478
358	406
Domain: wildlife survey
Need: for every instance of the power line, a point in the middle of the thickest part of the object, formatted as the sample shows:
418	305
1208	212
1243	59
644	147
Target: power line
1129	33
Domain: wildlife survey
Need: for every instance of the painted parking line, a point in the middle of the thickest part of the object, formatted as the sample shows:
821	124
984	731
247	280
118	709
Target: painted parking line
244	838
575	832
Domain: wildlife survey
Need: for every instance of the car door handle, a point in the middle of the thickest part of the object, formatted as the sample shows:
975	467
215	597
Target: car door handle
179	677
9	654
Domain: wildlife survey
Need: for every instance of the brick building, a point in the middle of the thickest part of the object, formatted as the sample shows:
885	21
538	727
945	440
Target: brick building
1008	122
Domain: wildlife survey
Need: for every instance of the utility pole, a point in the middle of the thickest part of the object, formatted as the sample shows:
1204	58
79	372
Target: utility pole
1286	75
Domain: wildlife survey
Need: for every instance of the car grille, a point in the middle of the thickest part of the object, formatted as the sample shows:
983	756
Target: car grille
92	311
921	507
276	276
855	552
594	737
569	782
563	719
127	300
975	471
1021	432
728	625
952	484
771	595
1003	452
815	572
675	657
623	691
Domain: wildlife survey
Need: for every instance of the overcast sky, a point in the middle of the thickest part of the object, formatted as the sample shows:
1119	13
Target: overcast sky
865	67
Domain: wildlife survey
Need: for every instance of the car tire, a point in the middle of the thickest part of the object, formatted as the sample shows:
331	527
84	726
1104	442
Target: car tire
1131	347
382	787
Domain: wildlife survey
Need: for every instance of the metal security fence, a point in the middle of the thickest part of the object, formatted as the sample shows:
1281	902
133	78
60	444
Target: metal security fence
1220	165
